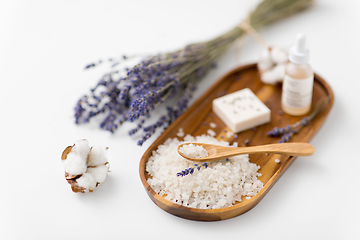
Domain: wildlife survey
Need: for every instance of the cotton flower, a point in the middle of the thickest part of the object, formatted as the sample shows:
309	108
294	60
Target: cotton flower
272	63
85	167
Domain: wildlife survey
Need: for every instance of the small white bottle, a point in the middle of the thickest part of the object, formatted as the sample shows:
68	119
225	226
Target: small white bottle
298	82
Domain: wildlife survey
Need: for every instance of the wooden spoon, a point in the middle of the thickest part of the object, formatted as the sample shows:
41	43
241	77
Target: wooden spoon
216	152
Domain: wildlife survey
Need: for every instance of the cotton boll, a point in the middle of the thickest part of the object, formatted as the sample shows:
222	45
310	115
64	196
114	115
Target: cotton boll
85	168
272	65
269	77
86	181
97	156
265	65
99	173
82	148
274	75
278	55
265	61
280	71
74	164
265	55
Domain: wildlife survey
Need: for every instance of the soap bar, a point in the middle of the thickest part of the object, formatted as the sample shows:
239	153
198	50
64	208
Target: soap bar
241	110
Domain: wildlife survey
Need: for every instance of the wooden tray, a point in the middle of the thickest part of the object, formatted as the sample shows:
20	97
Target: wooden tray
196	119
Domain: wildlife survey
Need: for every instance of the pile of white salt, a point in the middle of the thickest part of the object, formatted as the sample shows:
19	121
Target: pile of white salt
221	184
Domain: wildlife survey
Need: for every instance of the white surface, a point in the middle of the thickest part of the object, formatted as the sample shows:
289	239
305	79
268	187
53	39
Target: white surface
241	110
44	46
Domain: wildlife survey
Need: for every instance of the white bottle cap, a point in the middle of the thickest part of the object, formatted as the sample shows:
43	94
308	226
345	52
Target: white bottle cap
299	53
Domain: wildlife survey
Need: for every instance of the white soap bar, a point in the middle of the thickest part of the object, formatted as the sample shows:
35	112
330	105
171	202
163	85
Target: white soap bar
241	110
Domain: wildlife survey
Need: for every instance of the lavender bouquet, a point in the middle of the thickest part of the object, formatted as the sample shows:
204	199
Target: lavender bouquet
159	78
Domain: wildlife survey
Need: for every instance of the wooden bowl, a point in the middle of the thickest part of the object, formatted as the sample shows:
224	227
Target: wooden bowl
196	119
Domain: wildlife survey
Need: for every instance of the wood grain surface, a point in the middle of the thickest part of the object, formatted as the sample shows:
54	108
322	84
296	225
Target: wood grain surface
196	120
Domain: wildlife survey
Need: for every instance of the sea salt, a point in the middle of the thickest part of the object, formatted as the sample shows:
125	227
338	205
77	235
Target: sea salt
212	125
194	151
211	133
277	160
180	133
229	134
220	185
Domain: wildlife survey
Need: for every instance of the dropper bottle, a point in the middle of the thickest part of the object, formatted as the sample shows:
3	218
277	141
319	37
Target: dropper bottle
298	82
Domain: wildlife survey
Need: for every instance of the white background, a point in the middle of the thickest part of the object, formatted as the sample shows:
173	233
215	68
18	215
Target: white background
44	46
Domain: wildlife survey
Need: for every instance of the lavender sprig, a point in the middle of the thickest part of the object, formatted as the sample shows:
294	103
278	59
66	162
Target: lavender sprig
157	79
289	130
191	170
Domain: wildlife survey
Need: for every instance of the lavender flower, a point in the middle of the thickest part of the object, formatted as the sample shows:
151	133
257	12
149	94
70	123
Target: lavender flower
285	138
275	132
131	94
185	172
289	130
198	167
